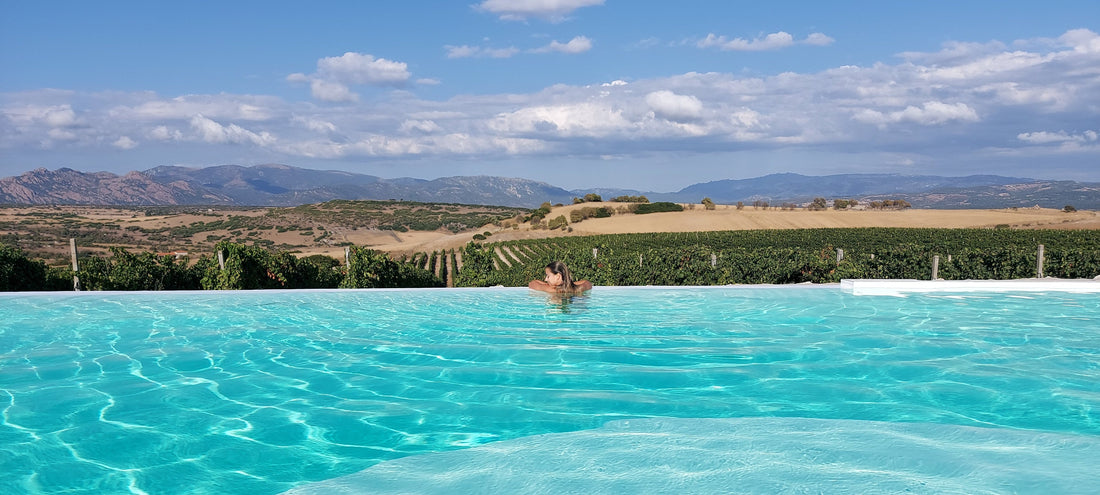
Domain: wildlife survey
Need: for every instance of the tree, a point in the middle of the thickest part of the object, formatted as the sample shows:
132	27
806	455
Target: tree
740	205
818	204
708	204
592	198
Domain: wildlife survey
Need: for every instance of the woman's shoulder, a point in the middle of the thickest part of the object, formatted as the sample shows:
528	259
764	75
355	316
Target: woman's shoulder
582	285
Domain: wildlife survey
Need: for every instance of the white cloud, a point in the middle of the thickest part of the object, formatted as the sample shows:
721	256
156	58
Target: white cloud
773	41
818	39
124	143
252	108
552	10
467	51
1044	137
163	133
1081	40
334	75
961	101
675	107
49	115
578	44
362	68
420	126
930	113
327	90
427	81
212	132
315	124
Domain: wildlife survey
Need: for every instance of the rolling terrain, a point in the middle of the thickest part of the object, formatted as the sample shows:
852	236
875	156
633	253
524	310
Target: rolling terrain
283	185
405	228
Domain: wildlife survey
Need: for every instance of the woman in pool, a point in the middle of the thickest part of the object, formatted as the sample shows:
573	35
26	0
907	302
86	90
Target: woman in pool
559	281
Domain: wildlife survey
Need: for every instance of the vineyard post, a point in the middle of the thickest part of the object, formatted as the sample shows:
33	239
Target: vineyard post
347	256
1039	263
76	267
221	260
839	255
935	267
595	251
639	260
713	260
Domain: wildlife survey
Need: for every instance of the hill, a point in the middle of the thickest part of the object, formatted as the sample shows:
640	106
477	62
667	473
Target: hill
283	185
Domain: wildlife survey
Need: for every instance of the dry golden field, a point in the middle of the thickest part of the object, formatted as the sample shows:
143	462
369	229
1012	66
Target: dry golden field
44	231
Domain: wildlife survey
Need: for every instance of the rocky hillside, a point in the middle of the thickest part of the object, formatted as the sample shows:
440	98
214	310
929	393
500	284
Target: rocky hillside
282	185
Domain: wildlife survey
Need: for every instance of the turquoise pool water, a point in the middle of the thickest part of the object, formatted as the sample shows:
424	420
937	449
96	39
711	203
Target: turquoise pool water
262	392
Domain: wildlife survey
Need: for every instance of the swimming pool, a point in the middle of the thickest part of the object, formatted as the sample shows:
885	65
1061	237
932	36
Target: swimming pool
262	392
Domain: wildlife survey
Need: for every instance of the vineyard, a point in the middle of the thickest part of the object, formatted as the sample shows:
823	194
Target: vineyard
696	258
777	256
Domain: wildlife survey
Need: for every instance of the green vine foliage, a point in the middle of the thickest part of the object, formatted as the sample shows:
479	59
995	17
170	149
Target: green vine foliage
790	256
19	273
375	269
141	271
477	267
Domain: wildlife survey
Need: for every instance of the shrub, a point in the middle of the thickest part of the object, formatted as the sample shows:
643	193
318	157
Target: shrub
558	222
630	199
708	204
658	207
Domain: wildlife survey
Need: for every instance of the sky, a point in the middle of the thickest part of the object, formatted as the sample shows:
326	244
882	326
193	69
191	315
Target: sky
635	94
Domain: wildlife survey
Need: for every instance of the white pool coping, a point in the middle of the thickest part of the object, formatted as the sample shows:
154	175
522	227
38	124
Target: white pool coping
902	286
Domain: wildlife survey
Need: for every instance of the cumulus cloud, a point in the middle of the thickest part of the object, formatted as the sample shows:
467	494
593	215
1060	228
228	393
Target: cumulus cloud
213	132
467	51
335	75
930	113
675	107
773	41
163	133
1038	96
1045	137
552	10
362	68
49	115
578	44
124	143
231	107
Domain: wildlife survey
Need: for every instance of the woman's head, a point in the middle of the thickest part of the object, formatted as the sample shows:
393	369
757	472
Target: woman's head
558	276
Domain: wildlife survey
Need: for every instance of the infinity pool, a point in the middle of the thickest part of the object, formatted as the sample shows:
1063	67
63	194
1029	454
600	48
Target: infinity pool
269	391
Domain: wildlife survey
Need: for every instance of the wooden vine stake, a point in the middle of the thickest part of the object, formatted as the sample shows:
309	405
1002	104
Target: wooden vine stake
1039	263
76	267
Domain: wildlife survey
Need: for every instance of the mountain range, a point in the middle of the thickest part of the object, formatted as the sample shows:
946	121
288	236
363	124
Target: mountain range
283	185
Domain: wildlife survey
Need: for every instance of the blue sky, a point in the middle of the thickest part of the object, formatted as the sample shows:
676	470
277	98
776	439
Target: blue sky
578	93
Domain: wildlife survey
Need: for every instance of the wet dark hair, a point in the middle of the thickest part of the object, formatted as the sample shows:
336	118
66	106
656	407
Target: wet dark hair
559	268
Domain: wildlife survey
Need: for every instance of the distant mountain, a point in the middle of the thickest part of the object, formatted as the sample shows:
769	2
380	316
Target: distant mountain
801	188
263	185
283	185
68	186
1050	194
